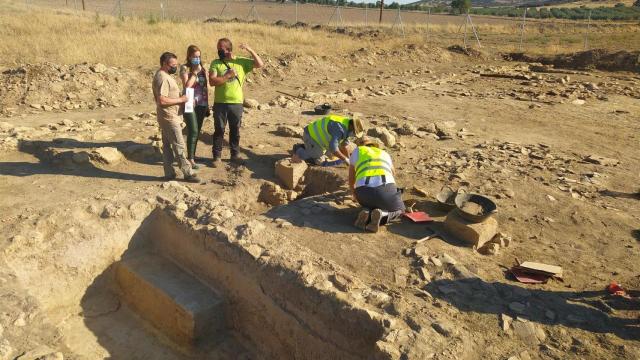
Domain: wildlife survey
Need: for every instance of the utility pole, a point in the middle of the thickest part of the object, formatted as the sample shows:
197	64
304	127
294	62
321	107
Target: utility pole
381	8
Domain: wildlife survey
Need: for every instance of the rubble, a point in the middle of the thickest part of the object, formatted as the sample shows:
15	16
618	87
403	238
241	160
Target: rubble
251	104
601	160
388	139
54	87
272	194
289	131
106	155
528	332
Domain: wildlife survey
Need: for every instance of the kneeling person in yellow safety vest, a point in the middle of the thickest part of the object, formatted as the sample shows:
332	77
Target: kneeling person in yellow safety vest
330	135
371	179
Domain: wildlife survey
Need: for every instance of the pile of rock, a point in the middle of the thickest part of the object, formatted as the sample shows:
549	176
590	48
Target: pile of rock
51	87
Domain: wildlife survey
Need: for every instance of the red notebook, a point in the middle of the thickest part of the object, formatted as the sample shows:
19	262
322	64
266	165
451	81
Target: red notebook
418	216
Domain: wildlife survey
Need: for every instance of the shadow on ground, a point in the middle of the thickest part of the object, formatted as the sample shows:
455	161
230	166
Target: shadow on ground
42	150
593	311
318	215
620	195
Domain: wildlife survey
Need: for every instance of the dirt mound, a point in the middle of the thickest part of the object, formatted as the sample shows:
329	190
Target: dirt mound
465	51
214	20
600	59
48	86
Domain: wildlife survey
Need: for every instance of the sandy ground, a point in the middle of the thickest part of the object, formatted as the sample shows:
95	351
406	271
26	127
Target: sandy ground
524	150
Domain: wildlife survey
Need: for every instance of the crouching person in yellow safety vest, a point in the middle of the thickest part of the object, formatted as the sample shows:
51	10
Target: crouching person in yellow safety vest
371	179
329	135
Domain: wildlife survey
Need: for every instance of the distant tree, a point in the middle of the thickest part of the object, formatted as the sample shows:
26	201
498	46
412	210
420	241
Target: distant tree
461	6
637	3
544	13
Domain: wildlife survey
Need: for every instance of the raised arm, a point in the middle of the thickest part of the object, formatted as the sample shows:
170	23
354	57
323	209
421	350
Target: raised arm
258	63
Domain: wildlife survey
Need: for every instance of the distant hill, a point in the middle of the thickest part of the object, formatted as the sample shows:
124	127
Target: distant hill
480	3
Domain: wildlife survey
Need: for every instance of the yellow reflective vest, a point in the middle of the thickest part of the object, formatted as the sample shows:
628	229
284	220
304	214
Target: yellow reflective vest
318	129
372	163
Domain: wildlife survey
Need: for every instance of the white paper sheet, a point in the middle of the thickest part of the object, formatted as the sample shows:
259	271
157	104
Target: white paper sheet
188	106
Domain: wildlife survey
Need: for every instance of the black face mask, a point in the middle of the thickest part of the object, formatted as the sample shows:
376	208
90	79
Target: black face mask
172	70
221	54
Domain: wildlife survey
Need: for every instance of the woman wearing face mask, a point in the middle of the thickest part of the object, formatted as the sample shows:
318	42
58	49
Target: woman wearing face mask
194	75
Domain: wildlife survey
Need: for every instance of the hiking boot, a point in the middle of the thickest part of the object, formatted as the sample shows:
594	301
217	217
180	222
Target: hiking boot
362	220
192	179
374	224
169	177
236	160
216	163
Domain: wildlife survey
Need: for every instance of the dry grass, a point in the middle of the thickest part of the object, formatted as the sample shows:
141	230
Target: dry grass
71	37
67	37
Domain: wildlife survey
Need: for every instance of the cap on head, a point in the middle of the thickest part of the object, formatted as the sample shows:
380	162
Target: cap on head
368	141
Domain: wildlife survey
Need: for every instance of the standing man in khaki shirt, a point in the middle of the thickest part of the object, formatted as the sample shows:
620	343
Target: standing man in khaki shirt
168	103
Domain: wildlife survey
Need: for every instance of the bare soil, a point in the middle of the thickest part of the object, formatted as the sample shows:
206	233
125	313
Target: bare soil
523	138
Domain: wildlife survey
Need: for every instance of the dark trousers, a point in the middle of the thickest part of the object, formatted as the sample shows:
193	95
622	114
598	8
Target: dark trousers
194	125
384	197
223	114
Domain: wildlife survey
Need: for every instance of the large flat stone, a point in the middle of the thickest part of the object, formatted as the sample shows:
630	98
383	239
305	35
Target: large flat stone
107	155
472	233
170	299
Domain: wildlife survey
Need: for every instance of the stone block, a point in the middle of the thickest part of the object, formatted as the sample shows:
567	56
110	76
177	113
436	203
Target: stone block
170	299
475	234
290	173
107	155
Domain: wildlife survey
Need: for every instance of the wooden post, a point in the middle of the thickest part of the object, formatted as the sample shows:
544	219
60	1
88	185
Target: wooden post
381	8
83	7
366	7
586	34
428	21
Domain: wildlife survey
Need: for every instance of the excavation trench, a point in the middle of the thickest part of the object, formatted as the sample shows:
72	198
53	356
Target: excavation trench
318	181
180	290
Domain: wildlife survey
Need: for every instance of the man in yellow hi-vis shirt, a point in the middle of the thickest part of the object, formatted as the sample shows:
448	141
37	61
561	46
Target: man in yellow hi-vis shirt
227	74
371	179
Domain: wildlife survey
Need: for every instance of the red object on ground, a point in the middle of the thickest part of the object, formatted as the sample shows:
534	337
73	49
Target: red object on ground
529	278
616	289
418	216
